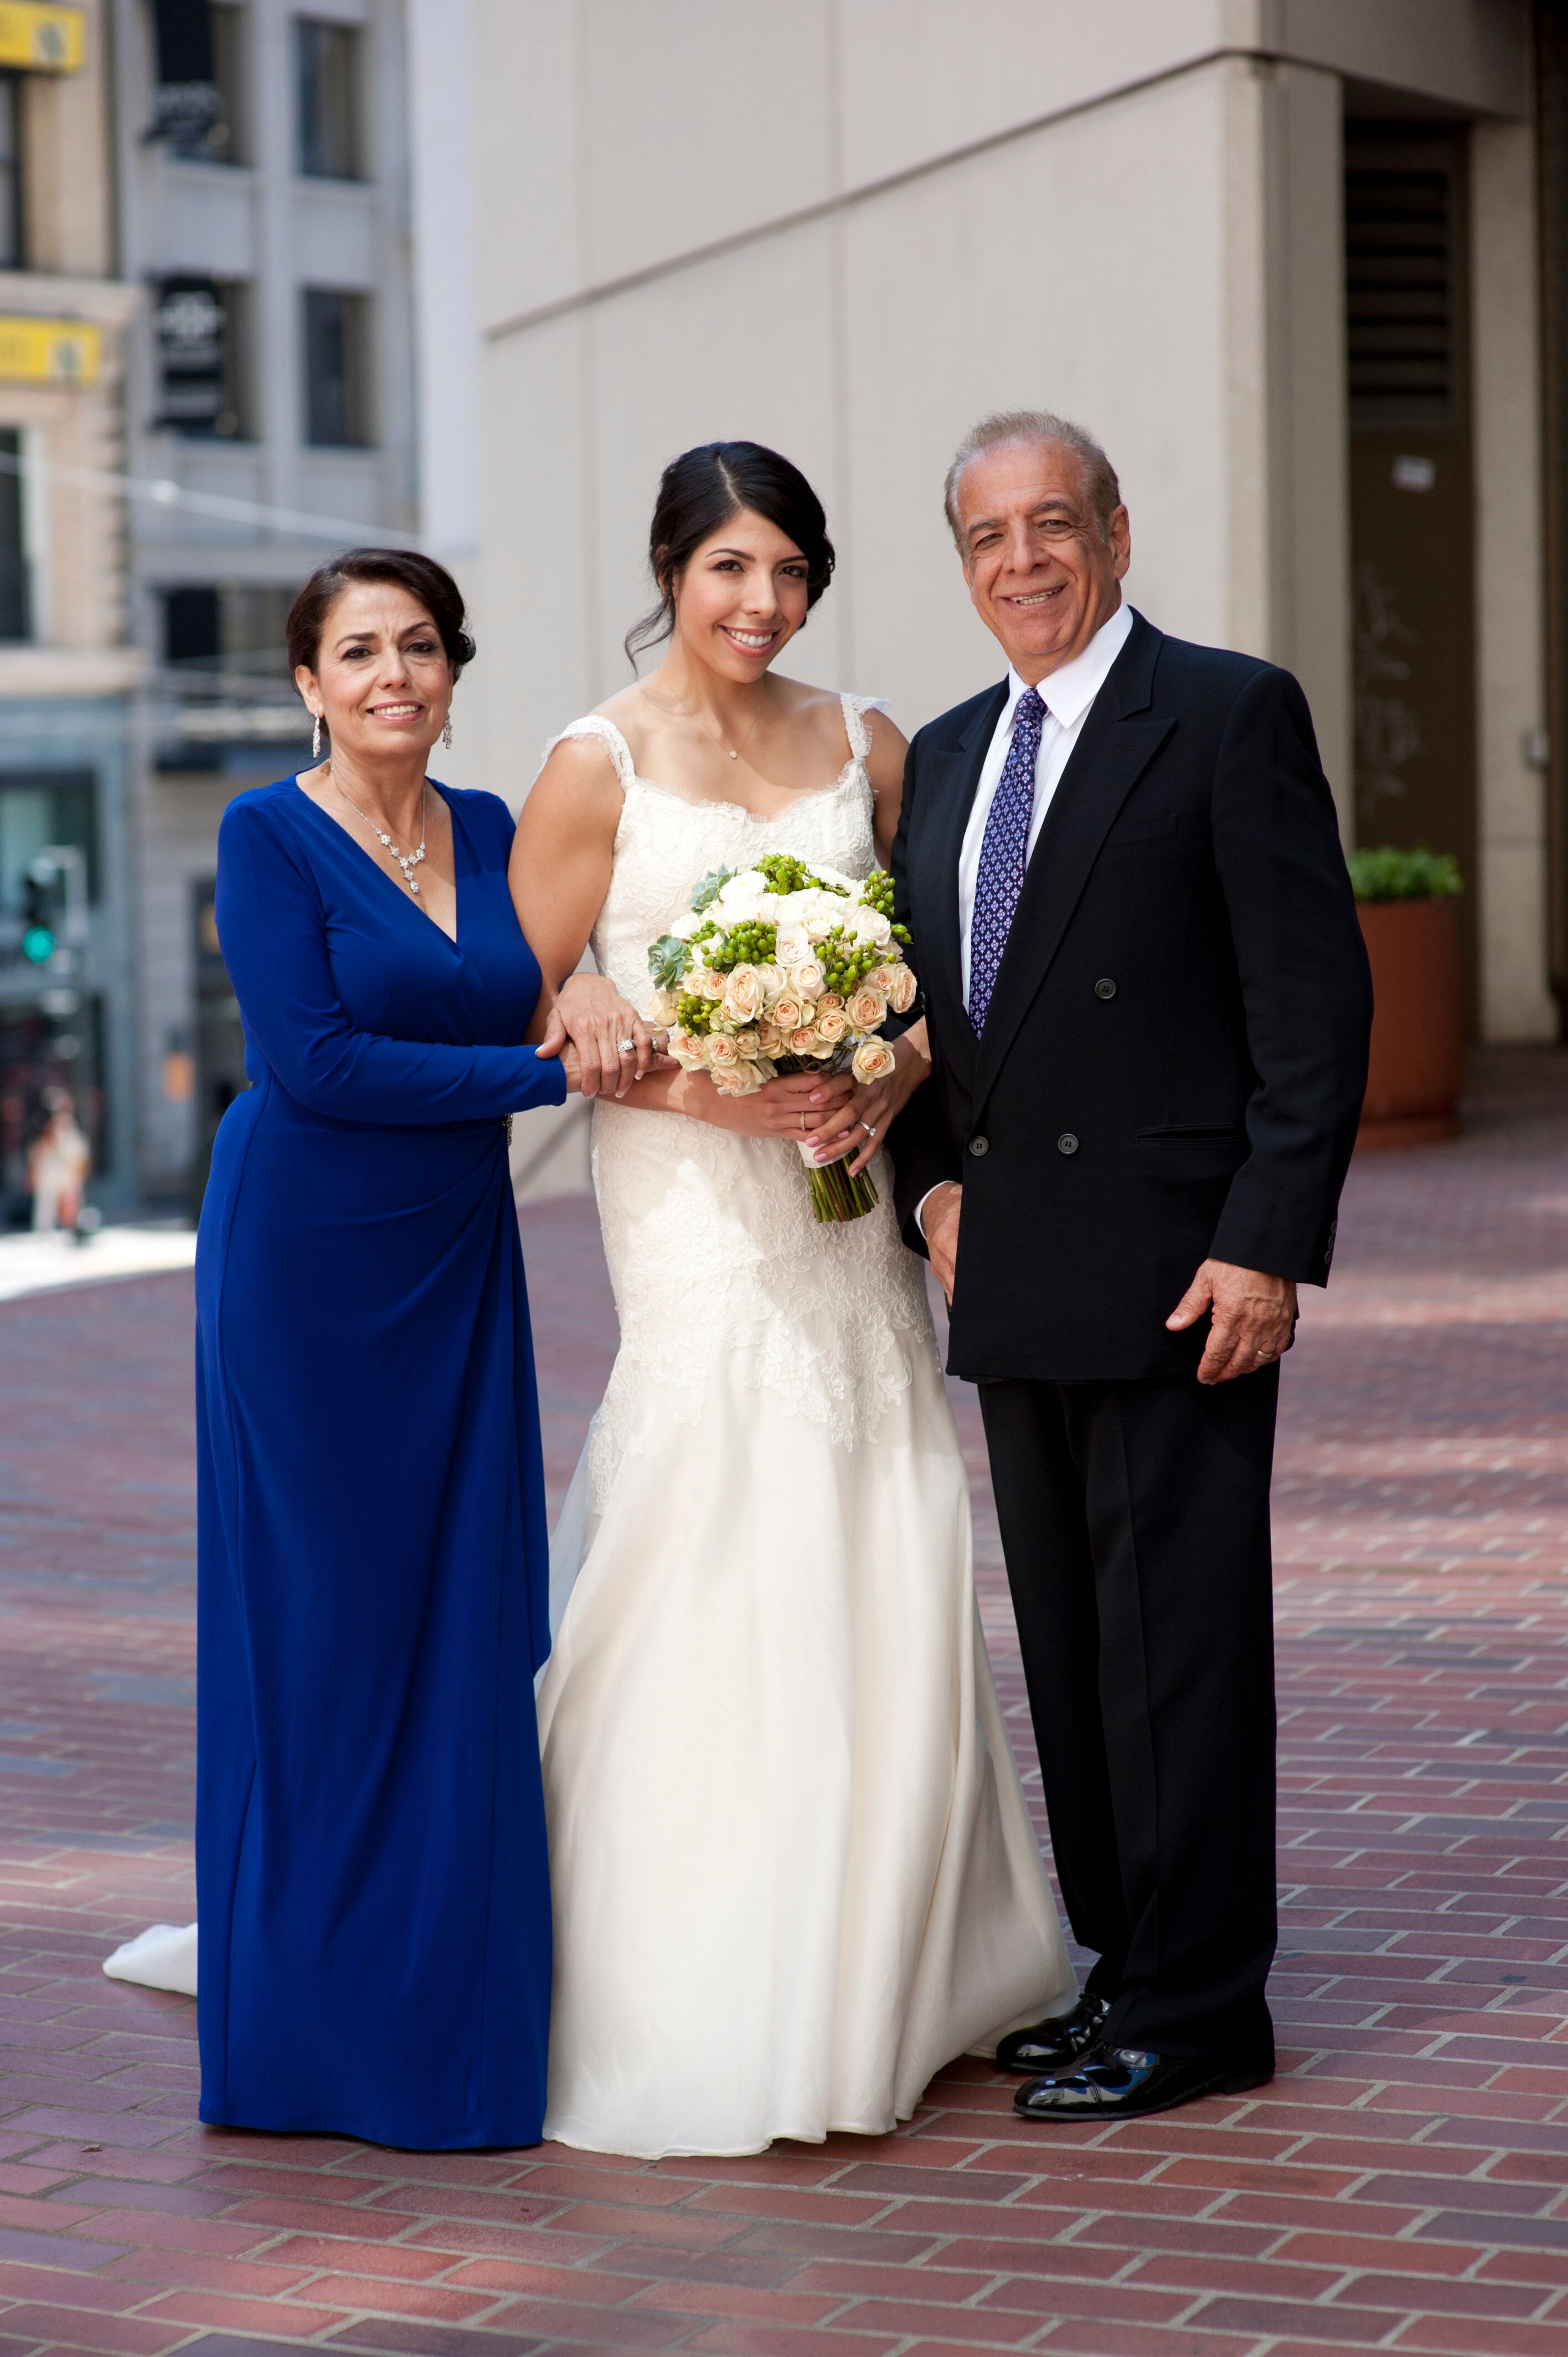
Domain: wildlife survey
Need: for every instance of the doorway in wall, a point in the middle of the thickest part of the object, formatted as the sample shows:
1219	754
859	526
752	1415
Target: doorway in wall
1411	496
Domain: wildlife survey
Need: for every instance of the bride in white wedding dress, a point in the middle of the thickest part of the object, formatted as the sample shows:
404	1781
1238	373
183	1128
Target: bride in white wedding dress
792	1870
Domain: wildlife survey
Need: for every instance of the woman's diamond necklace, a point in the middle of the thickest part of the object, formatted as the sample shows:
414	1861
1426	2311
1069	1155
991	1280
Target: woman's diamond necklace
407	861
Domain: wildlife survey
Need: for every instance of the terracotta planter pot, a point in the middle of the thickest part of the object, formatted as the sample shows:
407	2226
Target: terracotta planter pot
1418	1032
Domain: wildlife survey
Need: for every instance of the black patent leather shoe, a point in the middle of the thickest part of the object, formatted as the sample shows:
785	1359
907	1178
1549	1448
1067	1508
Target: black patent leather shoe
1124	2082
1054	2045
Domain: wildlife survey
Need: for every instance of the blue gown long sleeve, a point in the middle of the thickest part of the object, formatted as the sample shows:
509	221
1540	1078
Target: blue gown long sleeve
373	1885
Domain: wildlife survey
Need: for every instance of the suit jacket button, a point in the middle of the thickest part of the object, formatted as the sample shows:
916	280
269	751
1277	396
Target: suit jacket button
978	1146
1067	1143
1105	987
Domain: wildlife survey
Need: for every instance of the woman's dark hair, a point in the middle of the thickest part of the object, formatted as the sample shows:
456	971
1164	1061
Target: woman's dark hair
407	569
698	492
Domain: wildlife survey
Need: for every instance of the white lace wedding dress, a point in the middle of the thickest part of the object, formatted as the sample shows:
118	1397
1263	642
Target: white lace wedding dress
792	1869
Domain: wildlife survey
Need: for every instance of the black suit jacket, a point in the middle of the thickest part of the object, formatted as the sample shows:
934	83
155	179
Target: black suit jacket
1176	1050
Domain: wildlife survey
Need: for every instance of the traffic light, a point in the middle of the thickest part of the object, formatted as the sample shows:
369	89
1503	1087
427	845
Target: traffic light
38	921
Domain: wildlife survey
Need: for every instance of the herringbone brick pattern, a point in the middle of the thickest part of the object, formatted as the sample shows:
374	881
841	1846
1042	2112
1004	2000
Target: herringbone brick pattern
1402	2185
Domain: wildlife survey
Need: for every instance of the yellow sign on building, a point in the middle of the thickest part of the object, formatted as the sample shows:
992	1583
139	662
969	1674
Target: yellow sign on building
50	351
44	39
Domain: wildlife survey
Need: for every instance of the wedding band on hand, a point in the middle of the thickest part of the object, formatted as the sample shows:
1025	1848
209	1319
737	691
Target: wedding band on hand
626	1047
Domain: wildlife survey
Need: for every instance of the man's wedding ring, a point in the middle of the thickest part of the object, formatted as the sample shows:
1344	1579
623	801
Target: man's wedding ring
626	1047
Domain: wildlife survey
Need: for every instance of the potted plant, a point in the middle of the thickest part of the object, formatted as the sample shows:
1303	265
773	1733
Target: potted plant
1407	901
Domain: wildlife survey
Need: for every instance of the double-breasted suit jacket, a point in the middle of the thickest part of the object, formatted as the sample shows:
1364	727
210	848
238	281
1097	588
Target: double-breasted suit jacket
1174	1054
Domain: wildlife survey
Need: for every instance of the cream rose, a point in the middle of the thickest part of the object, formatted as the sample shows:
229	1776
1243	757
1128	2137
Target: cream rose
899	984
724	1055
686	1047
739	1080
663	1007
871	925
787	1010
794	943
828	1001
771	978
805	1042
873	1060
831	1024
706	984
867	1009
808	978
769	1040
743	995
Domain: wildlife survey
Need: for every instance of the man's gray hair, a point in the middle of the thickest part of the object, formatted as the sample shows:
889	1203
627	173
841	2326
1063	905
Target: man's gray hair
1101	487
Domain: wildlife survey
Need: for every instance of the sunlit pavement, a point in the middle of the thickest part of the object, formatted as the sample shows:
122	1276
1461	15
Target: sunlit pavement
1401	2186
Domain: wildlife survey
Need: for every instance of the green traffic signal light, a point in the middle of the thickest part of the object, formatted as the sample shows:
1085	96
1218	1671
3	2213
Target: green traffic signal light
38	944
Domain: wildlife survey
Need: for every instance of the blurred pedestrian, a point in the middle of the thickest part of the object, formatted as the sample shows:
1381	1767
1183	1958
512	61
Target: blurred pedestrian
58	1163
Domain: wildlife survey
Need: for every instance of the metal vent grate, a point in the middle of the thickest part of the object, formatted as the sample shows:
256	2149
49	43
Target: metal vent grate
1399	271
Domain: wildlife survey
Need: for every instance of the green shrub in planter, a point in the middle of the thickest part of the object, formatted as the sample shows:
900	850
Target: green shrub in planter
1385	873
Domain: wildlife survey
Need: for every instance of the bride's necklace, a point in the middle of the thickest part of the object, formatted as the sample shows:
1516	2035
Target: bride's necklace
407	860
734	751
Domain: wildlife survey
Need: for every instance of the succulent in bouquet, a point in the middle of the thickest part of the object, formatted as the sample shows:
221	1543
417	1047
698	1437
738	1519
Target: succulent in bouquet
782	968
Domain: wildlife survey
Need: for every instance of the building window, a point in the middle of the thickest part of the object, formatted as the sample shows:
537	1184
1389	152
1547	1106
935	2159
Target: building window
203	369
232	627
227	141
326	62
11	243
15	572
37	813
337	372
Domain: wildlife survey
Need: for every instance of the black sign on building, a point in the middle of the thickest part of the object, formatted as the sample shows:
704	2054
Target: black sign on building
187	105
191	325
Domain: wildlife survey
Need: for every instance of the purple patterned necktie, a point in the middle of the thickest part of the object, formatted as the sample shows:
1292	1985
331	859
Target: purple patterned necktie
1004	854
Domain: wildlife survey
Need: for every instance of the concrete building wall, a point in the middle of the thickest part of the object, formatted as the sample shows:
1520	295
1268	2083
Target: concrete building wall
853	236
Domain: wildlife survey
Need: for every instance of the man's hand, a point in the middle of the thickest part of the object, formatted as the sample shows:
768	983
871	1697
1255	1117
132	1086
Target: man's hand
943	1205
1253	1321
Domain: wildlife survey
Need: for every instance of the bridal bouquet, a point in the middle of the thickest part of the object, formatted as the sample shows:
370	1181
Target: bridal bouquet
784	968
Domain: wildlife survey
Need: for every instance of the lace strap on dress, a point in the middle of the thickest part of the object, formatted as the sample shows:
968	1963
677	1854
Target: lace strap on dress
856	708
594	724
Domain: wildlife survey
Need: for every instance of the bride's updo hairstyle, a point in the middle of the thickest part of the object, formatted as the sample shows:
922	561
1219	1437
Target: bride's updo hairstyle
698	494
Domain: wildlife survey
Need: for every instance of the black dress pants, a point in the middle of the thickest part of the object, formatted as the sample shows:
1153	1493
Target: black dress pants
1135	1520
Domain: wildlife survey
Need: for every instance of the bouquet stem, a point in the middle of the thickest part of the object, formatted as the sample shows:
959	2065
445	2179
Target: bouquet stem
836	1195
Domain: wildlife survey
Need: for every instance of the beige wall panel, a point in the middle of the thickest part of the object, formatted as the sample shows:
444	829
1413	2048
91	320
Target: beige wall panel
1031	277
1510	616
701	123
527	117
1468	52
741	350
922	77
530	593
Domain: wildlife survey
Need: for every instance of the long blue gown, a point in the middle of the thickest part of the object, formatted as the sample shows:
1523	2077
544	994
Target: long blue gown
371	1875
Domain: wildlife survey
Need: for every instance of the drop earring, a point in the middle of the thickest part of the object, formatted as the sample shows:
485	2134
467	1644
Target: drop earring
316	737
446	732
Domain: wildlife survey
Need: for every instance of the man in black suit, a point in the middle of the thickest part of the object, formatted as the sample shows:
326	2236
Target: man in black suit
1148	1007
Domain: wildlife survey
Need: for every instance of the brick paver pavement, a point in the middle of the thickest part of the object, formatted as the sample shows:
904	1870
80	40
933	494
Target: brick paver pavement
1404	2183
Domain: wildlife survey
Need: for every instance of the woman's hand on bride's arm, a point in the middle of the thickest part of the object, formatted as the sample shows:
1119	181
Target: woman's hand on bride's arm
590	1012
873	1108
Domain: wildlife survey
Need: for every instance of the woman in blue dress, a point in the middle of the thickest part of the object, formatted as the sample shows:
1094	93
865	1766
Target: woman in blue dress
373	1895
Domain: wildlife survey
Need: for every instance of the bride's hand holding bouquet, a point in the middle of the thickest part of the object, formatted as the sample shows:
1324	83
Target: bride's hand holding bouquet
776	985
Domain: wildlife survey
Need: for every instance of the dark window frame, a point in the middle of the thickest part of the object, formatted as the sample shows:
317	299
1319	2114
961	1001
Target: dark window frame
329	99
13	175
337	372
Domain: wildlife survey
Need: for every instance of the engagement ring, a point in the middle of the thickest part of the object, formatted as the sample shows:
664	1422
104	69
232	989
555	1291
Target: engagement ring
868	1129
627	1047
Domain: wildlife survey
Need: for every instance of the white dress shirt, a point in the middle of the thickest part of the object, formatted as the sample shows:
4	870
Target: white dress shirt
1067	694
